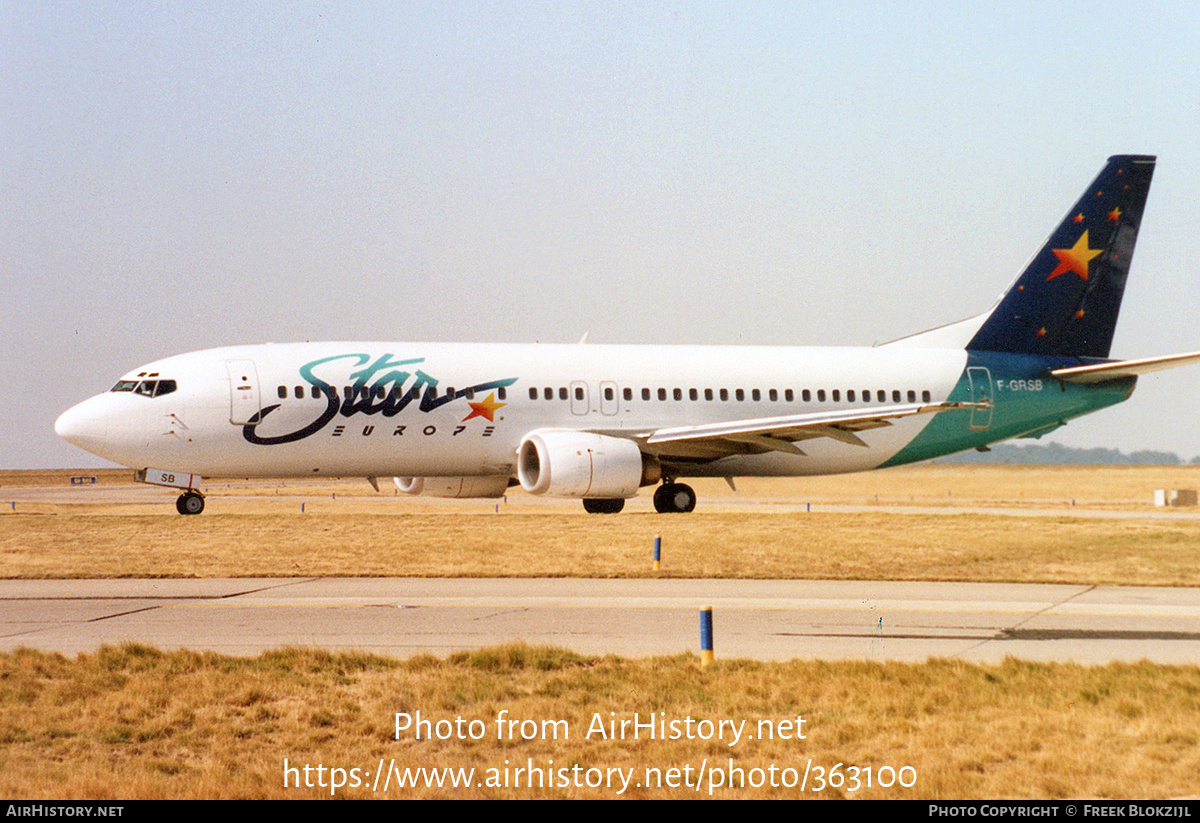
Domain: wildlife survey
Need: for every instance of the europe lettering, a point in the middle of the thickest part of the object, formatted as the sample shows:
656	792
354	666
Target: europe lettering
382	385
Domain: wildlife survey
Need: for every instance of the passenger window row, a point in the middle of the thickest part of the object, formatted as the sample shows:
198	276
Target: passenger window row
740	395
563	393
377	392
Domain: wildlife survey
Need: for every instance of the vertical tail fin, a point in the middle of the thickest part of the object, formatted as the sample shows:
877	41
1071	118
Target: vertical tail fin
1067	300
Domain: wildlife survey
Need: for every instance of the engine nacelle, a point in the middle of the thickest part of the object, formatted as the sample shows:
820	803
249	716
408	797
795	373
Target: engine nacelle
564	463
453	486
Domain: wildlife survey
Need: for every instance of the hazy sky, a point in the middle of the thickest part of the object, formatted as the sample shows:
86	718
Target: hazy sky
181	176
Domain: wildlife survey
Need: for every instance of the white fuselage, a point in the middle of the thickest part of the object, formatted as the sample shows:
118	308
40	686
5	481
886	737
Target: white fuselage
403	409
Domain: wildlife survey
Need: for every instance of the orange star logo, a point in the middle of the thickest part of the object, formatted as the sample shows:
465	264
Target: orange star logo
486	408
1074	259
1079	217
1114	215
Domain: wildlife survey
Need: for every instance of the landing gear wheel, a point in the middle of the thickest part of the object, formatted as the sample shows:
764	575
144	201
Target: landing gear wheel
594	505
190	503
674	498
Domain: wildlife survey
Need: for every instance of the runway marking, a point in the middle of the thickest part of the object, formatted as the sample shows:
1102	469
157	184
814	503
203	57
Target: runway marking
152	596
121	614
1095	634
510	604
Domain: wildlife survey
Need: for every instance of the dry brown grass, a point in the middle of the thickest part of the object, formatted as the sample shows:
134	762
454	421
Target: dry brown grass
136	723
256	528
1103	487
865	545
30	478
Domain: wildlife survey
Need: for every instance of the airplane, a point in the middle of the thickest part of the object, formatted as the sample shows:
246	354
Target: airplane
600	422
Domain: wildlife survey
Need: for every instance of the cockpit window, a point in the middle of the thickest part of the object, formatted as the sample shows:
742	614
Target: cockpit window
146	388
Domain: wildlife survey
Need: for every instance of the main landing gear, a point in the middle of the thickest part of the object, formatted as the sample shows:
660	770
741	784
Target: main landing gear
190	502
674	497
668	498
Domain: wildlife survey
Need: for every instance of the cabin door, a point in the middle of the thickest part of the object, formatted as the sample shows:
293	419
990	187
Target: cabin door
609	404
981	392
579	398
244	398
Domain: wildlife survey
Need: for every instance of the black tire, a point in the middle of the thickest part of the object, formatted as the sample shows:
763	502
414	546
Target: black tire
662	503
594	505
190	503
674	498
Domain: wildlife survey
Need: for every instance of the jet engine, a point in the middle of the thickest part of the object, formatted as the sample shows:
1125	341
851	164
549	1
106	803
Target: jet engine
487	486
565	463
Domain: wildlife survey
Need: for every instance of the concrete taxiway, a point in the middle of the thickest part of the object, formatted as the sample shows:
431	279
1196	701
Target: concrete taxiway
758	619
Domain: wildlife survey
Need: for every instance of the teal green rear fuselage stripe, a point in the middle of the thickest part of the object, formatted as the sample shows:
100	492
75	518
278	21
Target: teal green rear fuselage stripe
1025	400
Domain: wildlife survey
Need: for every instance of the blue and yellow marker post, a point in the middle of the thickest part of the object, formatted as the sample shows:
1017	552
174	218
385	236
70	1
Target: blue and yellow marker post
706	636
657	552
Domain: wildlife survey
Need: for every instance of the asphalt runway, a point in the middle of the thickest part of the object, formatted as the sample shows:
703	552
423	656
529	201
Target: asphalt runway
757	619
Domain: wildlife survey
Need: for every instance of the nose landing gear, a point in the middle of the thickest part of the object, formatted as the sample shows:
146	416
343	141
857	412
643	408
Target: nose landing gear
190	502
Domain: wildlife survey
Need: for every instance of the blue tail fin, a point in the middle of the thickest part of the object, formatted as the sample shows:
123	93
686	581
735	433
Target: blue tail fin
1067	300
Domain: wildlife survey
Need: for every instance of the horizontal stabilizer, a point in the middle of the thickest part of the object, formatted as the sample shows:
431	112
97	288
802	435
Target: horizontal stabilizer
1100	372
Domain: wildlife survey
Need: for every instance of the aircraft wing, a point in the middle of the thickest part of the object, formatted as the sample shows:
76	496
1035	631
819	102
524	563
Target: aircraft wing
765	434
1099	372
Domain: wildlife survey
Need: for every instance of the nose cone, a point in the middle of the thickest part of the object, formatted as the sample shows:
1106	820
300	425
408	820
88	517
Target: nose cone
85	426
